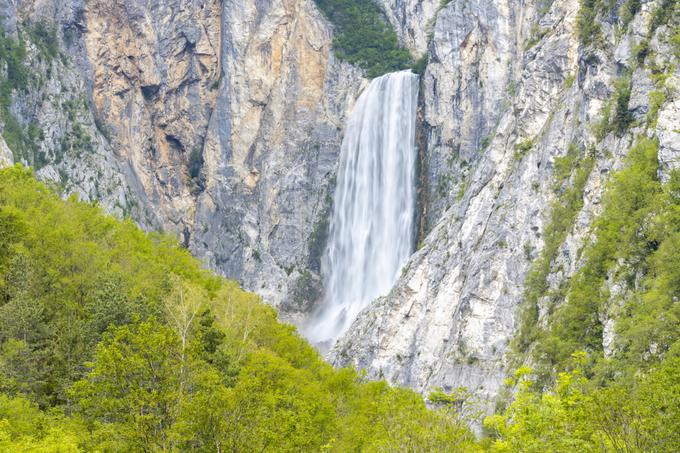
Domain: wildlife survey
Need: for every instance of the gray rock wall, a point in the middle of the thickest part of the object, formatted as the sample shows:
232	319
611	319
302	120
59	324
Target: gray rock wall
507	90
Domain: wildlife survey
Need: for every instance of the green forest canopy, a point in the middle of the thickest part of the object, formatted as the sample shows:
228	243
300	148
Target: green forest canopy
116	340
112	339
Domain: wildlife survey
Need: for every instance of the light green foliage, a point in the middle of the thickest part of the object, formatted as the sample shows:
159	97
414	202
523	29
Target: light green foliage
630	200
145	351
640	414
635	246
656	101
115	340
536	33
25	428
364	37
675	42
522	148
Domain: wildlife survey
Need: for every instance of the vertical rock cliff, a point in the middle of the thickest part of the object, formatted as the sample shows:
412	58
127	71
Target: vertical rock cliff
509	95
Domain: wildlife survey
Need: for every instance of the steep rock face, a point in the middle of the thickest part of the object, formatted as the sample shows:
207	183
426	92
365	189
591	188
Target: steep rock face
220	122
502	100
413	20
272	149
669	135
50	120
6	157
154	71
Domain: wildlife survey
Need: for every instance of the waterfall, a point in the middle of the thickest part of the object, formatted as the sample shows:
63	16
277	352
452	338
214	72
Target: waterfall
372	225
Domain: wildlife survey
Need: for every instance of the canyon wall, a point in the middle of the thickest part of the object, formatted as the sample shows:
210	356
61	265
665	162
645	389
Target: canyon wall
220	122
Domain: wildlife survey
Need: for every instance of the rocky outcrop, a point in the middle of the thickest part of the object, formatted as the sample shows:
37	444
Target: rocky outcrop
413	21
154	75
507	91
6	157
668	131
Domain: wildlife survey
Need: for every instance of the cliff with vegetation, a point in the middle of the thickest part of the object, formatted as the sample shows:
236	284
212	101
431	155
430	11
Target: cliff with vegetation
543	290
217	121
549	137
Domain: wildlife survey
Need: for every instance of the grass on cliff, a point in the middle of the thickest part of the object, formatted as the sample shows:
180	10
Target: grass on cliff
579	396
630	273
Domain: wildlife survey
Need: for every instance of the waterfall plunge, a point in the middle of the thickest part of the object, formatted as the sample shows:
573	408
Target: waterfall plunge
372	225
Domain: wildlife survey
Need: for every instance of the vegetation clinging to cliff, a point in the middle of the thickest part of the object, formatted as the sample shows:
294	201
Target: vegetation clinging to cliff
364	37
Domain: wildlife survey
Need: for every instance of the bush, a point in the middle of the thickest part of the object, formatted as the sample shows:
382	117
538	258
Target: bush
622	116
421	64
587	28
577	166
625	237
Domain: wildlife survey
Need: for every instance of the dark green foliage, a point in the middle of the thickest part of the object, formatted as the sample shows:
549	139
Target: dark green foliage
421	64
44	35
587	28
622	116
13	53
364	37
195	162
628	10
641	50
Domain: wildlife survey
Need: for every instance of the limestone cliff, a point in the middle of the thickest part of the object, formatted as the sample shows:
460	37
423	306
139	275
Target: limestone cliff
508	91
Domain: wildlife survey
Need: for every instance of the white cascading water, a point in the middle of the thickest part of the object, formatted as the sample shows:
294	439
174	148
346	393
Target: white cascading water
372	225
